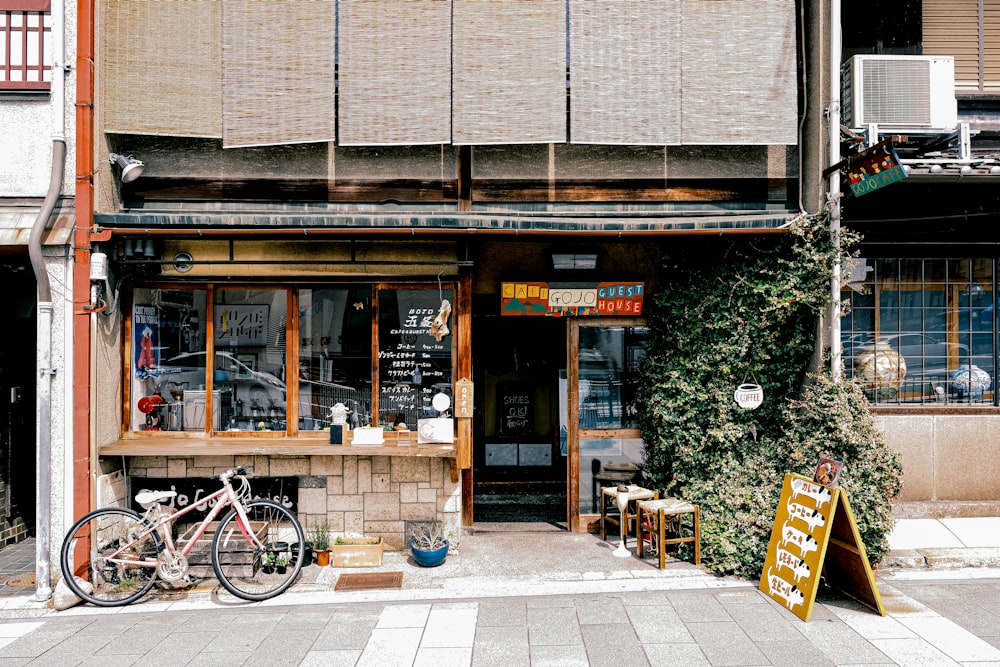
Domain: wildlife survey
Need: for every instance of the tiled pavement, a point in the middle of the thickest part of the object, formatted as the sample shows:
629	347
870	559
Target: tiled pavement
550	598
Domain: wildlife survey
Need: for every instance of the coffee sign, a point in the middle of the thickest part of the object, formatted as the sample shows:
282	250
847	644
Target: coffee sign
749	396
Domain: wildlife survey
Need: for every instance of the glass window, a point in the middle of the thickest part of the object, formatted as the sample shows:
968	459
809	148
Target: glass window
335	355
608	363
922	330
415	354
25	37
244	359
249	361
168	359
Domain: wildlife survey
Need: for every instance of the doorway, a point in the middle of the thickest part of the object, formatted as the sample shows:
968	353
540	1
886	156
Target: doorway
519	458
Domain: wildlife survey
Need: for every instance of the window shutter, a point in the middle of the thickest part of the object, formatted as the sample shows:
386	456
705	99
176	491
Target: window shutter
625	72
395	72
951	28
162	67
739	72
278	65
509	71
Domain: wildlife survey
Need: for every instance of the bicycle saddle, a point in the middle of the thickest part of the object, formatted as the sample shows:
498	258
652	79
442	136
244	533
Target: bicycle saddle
147	499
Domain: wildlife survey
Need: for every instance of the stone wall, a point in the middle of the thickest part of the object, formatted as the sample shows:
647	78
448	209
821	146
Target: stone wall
946	457
358	495
13	529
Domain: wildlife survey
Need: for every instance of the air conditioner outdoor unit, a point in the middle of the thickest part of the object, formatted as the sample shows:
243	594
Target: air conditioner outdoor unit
914	92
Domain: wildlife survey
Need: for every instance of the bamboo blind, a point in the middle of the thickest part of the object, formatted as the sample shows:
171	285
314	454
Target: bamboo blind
278	72
739	76
625	72
509	71
162	67
395	72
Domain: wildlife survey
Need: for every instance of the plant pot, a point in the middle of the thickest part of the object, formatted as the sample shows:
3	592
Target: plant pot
357	552
322	557
267	569
429	558
307	553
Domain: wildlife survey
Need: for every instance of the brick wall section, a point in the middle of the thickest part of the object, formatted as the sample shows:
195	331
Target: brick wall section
373	496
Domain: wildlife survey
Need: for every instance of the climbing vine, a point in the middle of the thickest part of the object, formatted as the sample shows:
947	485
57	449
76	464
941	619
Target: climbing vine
734	311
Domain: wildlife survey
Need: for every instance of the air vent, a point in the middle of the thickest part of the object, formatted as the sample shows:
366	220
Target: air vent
900	92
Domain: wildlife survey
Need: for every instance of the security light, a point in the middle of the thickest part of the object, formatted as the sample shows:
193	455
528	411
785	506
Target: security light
131	168
574	260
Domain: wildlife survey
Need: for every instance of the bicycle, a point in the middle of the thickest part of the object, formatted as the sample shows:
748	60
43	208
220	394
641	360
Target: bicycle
112	556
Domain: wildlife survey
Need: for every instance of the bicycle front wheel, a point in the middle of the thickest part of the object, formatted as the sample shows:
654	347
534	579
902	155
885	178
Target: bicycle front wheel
104	560
258	572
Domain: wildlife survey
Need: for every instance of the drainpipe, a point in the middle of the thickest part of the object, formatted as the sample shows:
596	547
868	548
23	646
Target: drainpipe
833	197
43	511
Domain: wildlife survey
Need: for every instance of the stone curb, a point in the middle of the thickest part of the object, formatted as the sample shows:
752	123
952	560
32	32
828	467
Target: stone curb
950	558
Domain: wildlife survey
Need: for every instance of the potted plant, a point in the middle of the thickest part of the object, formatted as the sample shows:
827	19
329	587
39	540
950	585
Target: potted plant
274	562
428	543
319	536
356	552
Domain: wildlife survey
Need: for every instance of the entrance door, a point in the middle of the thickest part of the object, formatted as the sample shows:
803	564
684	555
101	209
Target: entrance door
519	467
603	442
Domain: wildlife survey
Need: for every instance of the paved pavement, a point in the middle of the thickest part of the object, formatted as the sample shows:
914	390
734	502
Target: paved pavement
535	595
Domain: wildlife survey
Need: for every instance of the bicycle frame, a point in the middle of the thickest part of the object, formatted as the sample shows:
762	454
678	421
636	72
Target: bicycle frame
226	496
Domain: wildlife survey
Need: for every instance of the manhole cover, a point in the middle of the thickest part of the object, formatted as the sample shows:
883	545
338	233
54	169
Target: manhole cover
363	580
26	580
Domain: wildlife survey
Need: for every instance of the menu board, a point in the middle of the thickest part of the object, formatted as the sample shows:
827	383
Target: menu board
413	365
801	549
515	408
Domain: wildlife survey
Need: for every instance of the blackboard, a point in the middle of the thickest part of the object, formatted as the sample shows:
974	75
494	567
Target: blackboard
413	365
515	408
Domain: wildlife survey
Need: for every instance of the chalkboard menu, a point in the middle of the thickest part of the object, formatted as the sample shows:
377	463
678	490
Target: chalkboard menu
515	408
413	365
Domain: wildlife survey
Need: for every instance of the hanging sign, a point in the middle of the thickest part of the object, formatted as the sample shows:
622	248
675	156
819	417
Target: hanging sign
571	299
749	396
815	534
873	169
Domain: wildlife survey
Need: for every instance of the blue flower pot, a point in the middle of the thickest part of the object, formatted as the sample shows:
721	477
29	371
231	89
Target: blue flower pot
431	558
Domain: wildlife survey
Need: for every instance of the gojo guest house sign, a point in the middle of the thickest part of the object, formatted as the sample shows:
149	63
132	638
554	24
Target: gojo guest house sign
571	299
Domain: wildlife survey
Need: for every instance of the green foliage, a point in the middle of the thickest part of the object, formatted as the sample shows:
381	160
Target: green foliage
319	535
738	312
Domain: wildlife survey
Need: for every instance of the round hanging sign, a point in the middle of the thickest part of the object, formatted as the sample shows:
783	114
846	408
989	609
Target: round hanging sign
749	396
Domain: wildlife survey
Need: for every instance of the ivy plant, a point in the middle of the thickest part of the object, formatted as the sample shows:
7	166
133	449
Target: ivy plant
731	312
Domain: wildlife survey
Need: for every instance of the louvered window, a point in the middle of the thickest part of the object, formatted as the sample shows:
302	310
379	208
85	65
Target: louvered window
969	30
25	45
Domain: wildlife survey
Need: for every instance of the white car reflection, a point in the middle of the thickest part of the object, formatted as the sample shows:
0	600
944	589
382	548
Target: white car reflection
257	392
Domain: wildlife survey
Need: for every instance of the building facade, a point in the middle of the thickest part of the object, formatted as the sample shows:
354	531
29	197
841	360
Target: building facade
922	295
37	154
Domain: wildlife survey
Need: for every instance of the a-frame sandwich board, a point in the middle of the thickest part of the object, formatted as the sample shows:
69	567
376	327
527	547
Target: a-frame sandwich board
815	534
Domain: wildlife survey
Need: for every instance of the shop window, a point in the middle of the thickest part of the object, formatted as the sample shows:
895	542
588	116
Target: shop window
609	363
25	45
922	331
234	343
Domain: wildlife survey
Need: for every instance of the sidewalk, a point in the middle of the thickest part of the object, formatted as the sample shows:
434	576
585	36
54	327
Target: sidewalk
502	560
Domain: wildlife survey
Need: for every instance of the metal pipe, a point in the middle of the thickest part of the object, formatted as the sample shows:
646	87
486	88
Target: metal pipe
833	196
43	335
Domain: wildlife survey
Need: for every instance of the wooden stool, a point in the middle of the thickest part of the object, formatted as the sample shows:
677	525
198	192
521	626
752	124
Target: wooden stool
609	501
657	513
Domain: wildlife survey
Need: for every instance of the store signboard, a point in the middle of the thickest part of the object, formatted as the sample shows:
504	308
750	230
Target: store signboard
874	169
603	299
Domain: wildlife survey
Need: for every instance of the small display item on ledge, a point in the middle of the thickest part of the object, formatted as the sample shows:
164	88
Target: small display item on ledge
367	435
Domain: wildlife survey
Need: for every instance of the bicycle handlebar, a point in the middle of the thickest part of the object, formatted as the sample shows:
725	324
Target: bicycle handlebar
232	472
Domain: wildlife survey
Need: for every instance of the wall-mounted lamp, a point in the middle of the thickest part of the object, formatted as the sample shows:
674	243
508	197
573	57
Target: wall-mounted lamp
131	168
574	260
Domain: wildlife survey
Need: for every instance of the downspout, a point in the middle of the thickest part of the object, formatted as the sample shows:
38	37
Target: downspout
833	196
43	336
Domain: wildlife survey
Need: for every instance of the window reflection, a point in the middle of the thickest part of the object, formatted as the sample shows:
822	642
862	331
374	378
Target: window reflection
922	331
608	365
335	348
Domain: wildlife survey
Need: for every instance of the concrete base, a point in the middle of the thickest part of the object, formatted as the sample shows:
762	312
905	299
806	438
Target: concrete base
946	509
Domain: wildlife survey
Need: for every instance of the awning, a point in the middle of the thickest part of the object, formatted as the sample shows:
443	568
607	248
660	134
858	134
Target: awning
645	223
16	223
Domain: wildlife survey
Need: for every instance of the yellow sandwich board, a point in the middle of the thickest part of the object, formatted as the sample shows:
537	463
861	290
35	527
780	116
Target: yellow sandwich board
815	534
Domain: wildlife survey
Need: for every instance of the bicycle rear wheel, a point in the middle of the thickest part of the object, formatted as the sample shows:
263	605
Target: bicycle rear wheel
101	555
258	573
